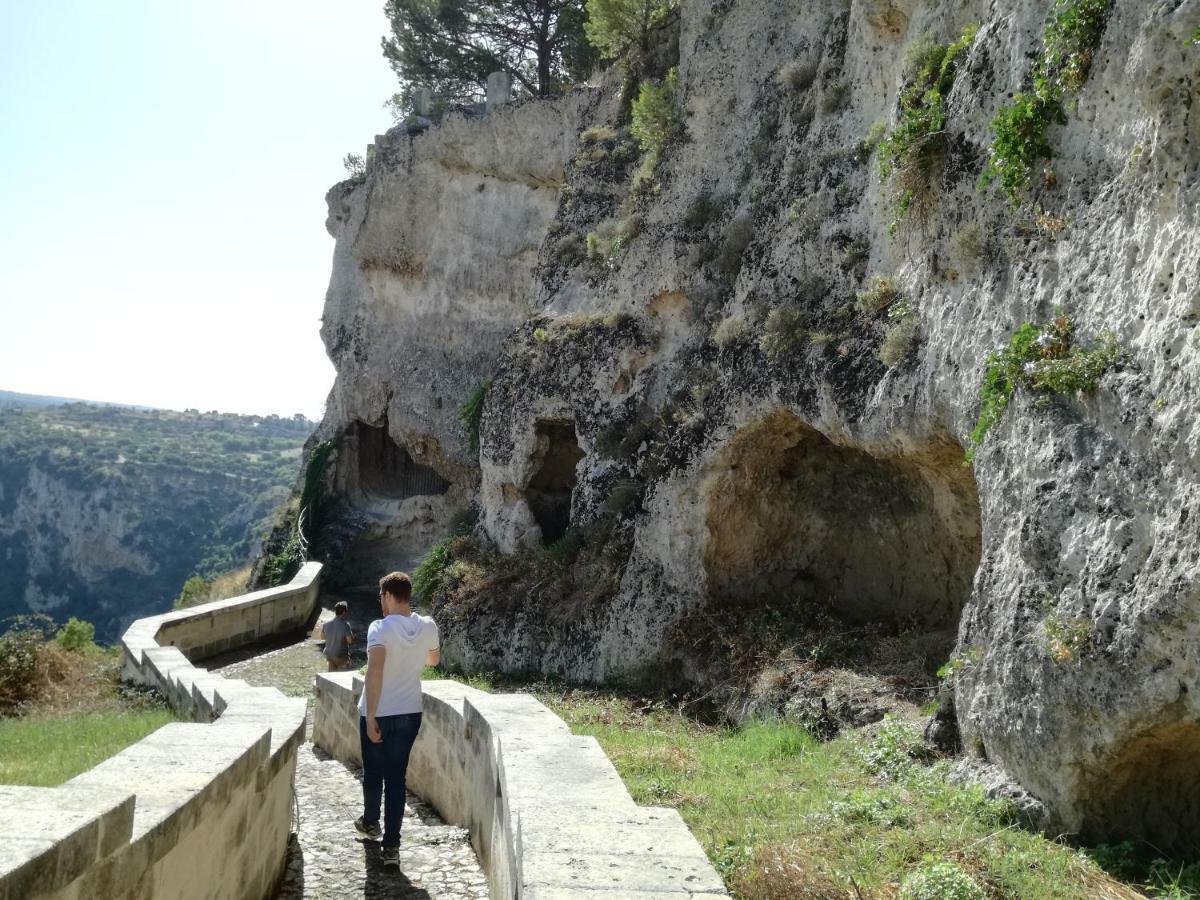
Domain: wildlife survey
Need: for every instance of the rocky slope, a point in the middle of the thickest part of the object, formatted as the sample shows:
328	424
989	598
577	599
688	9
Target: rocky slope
703	392
105	511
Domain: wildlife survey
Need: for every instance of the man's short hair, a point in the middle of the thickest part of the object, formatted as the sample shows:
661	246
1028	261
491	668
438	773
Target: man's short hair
398	584
340	608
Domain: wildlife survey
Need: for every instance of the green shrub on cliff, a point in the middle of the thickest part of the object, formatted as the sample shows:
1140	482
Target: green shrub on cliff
471	414
910	155
76	636
656	119
1041	359
618	27
1069	41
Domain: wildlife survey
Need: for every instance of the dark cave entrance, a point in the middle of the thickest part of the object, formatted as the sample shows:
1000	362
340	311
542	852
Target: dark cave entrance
385	469
549	492
798	522
1151	793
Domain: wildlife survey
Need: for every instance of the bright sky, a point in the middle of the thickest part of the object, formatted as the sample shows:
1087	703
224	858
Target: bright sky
163	166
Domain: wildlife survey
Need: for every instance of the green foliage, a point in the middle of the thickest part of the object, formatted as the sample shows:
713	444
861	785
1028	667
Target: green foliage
76	636
197	491
281	566
356	166
471	414
880	295
655	117
1072	33
314	473
195	590
20	649
940	880
617	27
1020	140
894	749
783	332
1041	359
911	154
430	575
451	46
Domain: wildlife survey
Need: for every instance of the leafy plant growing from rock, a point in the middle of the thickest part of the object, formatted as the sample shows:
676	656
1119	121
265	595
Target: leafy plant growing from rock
900	337
655	120
1042	359
471	414
911	153
1072	33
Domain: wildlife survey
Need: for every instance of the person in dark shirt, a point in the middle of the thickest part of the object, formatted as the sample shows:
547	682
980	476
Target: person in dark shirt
338	638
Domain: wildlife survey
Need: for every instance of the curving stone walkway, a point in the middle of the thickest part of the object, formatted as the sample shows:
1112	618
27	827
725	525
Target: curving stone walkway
329	860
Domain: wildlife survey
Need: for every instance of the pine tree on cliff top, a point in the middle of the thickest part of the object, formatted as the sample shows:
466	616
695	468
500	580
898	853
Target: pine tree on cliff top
451	46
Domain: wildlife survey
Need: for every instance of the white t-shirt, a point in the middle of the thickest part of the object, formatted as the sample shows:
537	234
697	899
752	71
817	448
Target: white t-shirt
407	640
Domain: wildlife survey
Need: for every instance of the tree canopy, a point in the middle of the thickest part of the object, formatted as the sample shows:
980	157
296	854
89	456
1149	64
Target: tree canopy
451	46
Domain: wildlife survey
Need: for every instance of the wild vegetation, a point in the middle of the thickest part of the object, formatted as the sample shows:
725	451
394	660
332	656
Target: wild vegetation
1043	359
1073	31
870	814
192	493
62	709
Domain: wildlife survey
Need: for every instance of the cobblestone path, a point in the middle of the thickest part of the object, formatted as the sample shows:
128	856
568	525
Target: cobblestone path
329	860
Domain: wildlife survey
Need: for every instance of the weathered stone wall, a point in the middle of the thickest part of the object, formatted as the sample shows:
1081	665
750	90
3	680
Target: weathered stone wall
1066	559
151	820
548	814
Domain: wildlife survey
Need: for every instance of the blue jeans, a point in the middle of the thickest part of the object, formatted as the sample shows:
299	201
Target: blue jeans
385	766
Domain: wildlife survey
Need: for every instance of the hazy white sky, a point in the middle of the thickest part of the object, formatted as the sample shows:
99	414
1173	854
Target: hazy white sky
163	166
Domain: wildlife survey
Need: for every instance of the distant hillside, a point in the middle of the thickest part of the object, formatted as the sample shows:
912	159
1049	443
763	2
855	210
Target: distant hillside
37	401
106	510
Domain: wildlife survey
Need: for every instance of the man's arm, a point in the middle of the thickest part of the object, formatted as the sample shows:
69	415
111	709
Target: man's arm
375	658
435	654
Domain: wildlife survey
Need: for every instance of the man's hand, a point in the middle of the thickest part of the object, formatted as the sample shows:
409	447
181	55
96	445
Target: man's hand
373	733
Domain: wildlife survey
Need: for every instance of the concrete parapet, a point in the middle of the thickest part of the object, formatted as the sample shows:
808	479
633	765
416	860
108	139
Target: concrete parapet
548	814
151	821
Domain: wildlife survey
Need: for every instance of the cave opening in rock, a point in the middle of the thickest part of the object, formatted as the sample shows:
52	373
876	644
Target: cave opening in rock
1151	793
556	457
386	470
799	522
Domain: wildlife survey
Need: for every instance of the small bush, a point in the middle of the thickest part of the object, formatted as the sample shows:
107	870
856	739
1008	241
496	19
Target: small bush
195	590
894	750
20	650
655	117
876	133
900	338
76	636
570	250
835	98
729	331
598	134
783	332
356	166
881	294
940	881
1073	30
471	414
1041	359
911	154
796	76
429	576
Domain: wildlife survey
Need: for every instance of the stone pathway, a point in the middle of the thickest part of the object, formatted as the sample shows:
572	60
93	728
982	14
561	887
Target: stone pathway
332	862
329	860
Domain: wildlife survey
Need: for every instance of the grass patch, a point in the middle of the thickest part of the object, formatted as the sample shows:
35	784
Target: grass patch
47	751
783	815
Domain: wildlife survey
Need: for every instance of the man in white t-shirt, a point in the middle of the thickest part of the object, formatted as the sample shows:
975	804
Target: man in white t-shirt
399	646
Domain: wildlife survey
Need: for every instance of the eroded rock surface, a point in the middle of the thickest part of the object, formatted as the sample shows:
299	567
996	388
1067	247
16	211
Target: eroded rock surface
717	361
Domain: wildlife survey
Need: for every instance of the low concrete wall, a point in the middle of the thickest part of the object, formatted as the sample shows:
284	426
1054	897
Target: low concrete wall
193	810
549	816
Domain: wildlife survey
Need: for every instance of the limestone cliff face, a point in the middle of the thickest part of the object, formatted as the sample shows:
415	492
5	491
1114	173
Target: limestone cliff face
712	364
